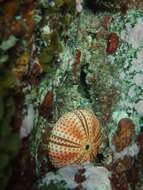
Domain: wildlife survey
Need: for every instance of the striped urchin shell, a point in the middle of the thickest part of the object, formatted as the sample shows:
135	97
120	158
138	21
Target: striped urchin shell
74	139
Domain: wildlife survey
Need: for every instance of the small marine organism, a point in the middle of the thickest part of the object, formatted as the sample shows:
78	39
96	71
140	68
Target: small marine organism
75	138
124	134
34	76
77	62
46	107
125	172
112	43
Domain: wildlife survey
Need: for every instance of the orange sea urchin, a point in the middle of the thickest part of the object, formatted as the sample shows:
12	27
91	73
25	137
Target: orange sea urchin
74	139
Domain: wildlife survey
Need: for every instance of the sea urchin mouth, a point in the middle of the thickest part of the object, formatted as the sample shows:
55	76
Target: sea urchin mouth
87	147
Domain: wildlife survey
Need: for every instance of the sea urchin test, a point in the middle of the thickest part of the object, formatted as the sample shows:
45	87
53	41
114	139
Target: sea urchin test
75	138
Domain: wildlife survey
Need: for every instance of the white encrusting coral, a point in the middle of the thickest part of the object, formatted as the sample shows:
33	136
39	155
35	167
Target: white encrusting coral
27	123
131	74
132	92
78	6
137	63
133	36
96	178
131	151
139	107
138	79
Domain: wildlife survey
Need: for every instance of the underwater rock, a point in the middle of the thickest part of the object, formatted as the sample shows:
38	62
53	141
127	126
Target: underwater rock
124	8
112	43
140	144
118	182
17	28
102	6
125	173
10	8
23	175
140	140
19	103
135	4
74	139
124	134
29	20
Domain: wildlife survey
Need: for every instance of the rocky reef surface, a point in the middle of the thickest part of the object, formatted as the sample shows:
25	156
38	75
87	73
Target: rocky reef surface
60	56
